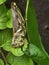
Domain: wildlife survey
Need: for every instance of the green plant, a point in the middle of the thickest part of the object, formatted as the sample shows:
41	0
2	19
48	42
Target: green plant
35	52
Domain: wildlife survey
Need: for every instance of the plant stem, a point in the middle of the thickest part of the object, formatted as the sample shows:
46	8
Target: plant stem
4	57
27	9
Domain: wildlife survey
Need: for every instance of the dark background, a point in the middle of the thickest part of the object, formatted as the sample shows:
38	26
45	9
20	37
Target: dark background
42	13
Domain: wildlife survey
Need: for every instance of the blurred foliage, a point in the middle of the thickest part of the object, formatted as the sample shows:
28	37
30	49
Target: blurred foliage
2	1
1	62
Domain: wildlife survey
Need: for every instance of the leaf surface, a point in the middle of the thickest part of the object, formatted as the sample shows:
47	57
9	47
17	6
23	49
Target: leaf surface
36	49
2	1
23	60
1	62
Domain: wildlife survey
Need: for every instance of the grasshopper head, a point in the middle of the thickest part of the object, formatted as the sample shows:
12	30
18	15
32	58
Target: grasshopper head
13	5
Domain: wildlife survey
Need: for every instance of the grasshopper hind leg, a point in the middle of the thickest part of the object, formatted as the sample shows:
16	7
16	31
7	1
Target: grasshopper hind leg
17	42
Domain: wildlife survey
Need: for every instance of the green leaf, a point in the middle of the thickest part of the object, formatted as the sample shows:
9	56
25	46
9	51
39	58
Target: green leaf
10	58
6	43
1	62
2	1
3	10
3	22
3	17
32	28
9	23
33	35
9	14
5	36
36	53
17	51
44	62
6	17
23	60
25	44
6	39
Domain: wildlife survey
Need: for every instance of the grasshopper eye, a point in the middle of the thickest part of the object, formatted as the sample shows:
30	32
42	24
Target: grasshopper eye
14	4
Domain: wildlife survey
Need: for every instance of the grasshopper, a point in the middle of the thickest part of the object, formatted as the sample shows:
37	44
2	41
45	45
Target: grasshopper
19	30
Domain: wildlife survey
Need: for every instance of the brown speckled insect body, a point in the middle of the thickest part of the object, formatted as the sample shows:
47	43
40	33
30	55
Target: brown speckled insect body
18	27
